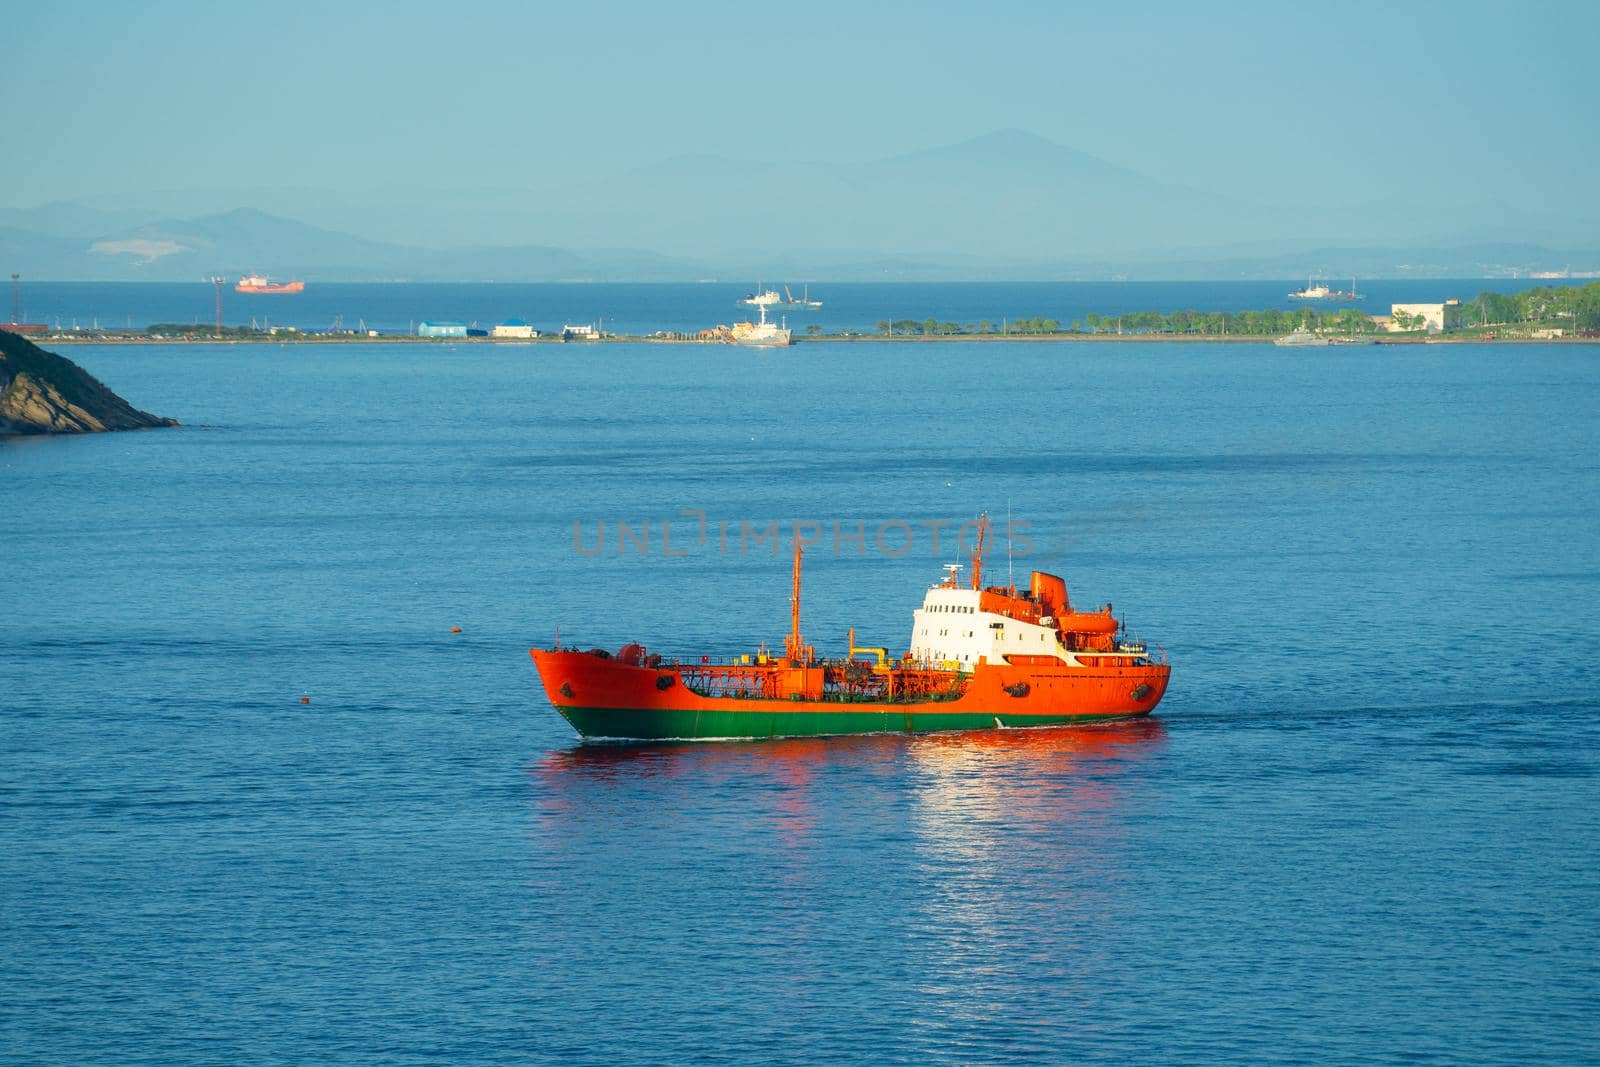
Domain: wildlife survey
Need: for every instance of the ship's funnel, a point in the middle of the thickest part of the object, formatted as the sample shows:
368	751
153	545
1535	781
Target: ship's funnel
1050	592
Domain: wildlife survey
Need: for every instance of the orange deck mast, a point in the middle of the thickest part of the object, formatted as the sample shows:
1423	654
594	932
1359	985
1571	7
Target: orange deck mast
794	646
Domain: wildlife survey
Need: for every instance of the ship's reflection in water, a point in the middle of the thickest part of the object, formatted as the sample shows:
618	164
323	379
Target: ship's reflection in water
1054	748
958	783
1021	857
946	859
957	792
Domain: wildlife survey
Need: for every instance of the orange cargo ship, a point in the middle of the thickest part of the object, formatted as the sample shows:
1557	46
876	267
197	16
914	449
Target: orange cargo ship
980	658
256	283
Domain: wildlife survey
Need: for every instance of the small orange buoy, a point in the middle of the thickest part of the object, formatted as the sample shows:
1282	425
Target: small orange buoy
455	629
305	700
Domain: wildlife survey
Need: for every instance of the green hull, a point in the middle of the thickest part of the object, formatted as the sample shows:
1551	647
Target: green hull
662	725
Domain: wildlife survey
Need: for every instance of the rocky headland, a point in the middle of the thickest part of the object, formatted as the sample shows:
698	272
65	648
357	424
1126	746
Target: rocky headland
41	392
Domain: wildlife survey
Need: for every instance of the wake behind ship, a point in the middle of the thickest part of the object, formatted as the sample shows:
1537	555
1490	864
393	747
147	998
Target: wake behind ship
979	659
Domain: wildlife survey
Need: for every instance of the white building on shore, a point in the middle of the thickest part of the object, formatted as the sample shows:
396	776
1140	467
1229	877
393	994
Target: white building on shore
1435	317
514	328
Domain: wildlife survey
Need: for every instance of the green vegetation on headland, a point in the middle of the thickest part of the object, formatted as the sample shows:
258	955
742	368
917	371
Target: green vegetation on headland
194	331
1268	323
1568	308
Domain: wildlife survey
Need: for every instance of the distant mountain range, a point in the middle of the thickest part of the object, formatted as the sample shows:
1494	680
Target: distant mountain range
1005	206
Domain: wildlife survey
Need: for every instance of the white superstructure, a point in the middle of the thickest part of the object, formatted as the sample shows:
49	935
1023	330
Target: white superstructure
951	628
765	298
1312	292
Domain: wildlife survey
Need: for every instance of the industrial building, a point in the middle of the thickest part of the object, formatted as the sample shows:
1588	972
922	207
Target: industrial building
441	329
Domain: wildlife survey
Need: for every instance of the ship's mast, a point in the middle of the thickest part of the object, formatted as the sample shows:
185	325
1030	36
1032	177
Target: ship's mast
1011	576
977	551
794	645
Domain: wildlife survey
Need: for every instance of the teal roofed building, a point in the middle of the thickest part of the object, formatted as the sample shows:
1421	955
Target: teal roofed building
515	328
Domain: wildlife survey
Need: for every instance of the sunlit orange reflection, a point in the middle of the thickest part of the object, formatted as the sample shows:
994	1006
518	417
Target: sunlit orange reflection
981	833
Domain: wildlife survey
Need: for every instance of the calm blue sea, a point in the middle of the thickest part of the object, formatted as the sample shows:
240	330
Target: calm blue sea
644	309
1362	827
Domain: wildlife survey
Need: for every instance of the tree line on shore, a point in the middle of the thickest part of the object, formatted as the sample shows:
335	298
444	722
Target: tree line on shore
1576	307
1268	322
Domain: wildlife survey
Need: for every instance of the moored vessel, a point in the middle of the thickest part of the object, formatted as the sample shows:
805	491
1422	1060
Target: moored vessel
803	302
786	302
761	298
1322	291
1301	336
980	658
761	334
259	283
1312	292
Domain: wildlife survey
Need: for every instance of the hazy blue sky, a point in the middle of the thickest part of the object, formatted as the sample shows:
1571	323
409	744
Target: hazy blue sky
1450	100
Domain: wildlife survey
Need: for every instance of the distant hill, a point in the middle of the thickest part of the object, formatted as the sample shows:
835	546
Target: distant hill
249	241
1006	205
1008	194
